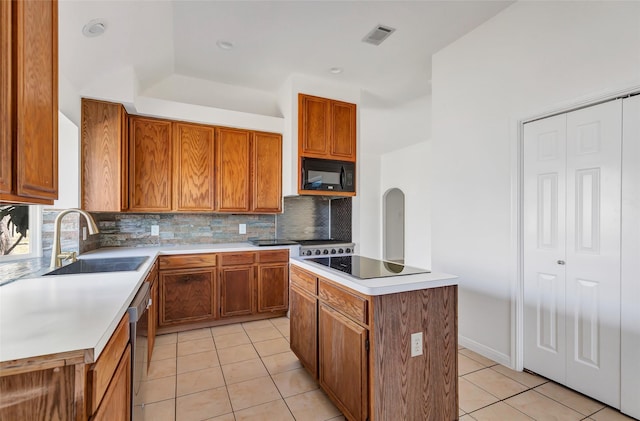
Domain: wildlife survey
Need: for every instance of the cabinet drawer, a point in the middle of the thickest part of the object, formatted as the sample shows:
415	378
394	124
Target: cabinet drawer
232	259
273	256
304	280
187	261
101	371
344	301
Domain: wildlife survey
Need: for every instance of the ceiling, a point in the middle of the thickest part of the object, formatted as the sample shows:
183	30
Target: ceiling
271	39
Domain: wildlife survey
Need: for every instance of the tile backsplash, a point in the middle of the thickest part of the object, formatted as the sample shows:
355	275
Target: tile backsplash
304	218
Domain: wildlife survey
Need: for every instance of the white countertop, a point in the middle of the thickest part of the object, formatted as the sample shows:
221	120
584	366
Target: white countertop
379	286
49	315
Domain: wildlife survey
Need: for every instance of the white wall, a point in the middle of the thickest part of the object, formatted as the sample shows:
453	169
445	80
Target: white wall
409	170
390	155
68	164
528	59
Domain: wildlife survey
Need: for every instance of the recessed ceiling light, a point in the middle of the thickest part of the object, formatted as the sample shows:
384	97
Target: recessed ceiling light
336	70
94	28
225	45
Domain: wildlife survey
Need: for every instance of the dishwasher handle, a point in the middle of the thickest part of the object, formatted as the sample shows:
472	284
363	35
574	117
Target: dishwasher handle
140	303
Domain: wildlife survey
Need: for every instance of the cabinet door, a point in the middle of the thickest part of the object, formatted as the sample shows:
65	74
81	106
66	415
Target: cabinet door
116	404
237	291
104	156
150	164
343	131
232	157
304	329
193	158
314	125
266	173
35	28
6	131
273	287
343	362
187	295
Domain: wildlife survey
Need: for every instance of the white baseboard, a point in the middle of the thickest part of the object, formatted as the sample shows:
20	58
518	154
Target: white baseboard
485	351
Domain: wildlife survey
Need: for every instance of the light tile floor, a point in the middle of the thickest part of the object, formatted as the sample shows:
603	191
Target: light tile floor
247	372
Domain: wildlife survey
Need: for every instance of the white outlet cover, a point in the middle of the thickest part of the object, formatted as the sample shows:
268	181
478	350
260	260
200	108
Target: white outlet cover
155	230
242	228
84	233
416	344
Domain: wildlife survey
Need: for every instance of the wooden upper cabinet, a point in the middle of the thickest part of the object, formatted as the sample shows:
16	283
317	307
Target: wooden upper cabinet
343	131
150	175
326	128
104	156
232	158
29	101
266	172
314	125
193	160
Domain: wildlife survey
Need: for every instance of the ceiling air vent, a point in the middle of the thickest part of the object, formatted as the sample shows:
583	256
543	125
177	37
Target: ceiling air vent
378	34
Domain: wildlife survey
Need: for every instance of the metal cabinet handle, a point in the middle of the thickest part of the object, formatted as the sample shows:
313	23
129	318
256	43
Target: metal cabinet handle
560	262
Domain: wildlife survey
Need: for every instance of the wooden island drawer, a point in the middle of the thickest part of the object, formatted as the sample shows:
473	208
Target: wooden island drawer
304	280
344	301
101	372
187	261
232	259
273	256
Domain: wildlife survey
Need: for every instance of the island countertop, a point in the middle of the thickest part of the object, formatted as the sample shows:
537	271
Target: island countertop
379	286
73	316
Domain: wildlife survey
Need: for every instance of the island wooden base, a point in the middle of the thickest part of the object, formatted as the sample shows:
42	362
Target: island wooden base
358	347
423	387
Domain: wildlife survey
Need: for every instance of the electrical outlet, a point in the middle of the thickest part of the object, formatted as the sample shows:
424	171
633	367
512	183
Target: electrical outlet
155	230
416	344
84	233
242	228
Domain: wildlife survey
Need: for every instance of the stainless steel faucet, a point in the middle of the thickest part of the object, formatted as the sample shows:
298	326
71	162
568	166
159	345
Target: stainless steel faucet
57	257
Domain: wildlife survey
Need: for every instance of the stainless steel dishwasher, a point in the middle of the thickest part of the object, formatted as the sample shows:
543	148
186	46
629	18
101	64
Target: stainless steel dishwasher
138	319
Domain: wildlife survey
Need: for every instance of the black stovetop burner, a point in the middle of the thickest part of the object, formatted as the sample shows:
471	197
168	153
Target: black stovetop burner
367	268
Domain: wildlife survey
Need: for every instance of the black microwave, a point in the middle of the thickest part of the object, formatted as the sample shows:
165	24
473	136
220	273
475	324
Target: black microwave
328	175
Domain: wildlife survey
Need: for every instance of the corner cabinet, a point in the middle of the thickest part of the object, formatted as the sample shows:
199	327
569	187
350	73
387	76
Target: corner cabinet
326	128
357	347
29	101
266	173
104	151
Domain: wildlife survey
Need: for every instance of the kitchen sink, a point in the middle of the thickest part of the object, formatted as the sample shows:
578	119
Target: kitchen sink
112	264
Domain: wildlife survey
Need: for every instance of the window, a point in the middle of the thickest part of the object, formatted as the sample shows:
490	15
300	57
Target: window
19	232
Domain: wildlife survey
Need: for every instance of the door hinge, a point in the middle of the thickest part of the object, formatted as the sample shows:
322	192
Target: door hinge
366	345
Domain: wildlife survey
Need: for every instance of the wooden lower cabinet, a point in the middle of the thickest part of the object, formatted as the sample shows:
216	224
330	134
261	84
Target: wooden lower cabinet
343	356
358	347
38	395
273	287
116	404
237	286
209	289
304	328
63	387
187	295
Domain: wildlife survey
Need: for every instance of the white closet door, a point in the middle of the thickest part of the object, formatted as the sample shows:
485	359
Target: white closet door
544	247
630	390
594	139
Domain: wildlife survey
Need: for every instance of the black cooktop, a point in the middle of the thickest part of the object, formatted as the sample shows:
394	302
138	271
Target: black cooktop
272	242
366	268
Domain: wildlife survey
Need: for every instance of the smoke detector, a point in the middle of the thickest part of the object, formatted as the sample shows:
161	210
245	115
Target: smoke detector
378	34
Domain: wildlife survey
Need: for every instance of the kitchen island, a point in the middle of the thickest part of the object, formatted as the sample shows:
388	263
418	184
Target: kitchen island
382	348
